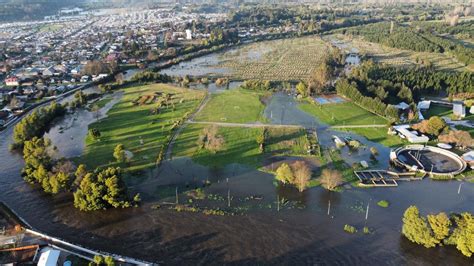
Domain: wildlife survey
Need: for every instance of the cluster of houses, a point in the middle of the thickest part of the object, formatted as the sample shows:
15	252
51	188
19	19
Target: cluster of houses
406	132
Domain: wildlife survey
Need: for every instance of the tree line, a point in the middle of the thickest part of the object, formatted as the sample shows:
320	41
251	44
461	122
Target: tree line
440	229
351	90
35	124
425	80
412	38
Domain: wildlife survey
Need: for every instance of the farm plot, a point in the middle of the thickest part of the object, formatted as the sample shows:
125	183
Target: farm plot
397	57
289	59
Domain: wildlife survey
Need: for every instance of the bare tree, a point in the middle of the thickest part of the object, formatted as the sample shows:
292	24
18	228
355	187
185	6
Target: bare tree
330	179
210	139
302	174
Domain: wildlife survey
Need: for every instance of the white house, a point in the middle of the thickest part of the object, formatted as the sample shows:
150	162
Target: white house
189	35
411	135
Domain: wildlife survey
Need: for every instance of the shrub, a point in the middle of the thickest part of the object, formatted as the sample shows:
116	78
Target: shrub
383	203
350	229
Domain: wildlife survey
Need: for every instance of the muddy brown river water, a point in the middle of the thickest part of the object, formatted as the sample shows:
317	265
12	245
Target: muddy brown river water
301	233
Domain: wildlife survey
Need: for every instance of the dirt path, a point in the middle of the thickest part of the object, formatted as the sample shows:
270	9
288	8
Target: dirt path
169	149
357	126
251	125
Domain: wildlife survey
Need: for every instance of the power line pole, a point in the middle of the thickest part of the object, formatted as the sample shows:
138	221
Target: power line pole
329	206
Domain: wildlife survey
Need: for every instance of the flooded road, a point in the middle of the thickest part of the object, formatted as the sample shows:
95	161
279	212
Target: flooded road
301	233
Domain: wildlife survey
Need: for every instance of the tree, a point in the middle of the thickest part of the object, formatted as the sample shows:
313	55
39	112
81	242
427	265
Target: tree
320	77
94	133
109	261
98	260
302	175
261	139
302	89
440	225
36	155
96	110
101	190
95	67
463	234
210	139
415	228
434	126
284	174
459	137
331	179
81	171
119	153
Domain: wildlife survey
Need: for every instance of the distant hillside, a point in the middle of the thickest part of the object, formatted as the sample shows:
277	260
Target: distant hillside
18	10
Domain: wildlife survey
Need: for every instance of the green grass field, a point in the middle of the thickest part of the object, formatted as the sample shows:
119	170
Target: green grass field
341	114
378	134
102	102
440	110
437	110
240	145
236	106
134	126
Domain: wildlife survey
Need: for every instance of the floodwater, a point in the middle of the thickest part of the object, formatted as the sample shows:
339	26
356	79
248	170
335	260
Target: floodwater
69	133
283	110
301	233
201	66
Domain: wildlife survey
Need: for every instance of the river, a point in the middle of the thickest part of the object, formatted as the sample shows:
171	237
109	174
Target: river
301	233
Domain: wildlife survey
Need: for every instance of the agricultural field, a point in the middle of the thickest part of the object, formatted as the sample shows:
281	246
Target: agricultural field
135	123
236	106
341	114
396	57
240	145
289	59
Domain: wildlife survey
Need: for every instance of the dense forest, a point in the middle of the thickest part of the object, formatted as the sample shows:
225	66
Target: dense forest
419	39
377	87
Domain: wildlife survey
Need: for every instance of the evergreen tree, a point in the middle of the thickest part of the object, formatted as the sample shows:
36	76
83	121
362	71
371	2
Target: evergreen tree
416	229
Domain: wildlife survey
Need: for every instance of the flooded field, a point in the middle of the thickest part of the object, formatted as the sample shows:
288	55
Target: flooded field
263	223
289	59
69	133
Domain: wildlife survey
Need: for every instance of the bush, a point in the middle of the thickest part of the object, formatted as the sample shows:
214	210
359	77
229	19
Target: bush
383	203
350	229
